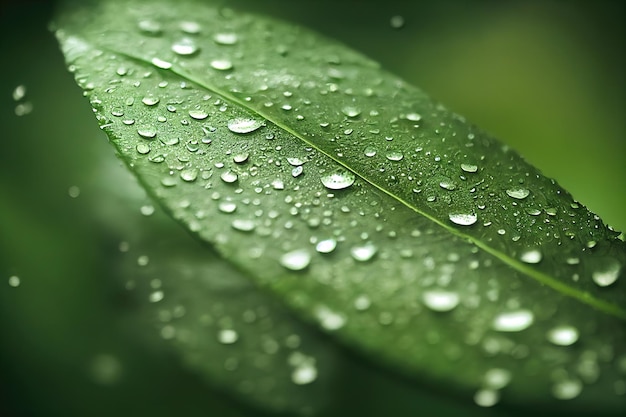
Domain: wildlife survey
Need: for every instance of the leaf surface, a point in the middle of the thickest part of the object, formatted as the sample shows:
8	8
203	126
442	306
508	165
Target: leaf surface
365	206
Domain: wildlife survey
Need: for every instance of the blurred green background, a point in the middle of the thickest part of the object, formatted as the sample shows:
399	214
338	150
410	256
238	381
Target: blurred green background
546	77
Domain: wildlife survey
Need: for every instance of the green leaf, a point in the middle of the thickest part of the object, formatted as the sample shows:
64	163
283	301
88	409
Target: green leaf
368	208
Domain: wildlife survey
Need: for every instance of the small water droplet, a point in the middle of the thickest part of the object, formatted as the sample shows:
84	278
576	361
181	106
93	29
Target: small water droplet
563	335
149	27
150	100
242	125
156	296
351	111
227	206
193	28
338	180
471	168
363	253
440	300
241	158
296	260
147	210
326	246
160	63
189	175
19	92
329	319
362	303
297	171
567	389
394	156
221	64
608	274
227	336
73	191
413	117
243	225
185	47
304	373
370	151
463	219
518	193
296	162
225	38
513	321
497	378
531	256
447	184
198	114
486	397
14	281
396	22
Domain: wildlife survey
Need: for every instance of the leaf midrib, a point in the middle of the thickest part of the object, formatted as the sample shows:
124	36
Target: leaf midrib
541	277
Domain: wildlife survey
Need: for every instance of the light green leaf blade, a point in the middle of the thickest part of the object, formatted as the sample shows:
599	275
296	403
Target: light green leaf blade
372	210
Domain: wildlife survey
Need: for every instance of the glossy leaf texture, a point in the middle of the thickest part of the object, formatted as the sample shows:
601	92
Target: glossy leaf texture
366	207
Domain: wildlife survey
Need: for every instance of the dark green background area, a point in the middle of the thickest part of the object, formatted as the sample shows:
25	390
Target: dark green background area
546	77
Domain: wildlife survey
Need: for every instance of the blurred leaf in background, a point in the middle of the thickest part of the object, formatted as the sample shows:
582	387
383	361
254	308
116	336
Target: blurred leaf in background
545	77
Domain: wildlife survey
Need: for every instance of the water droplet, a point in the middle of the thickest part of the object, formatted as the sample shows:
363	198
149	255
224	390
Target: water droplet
156	296
227	206
413	117
198	114
189	175
363	253
463	219
227	336
243	225
296	260
147	210
14	281
338	180
394	156
304	373
486	397
229	177
567	389
73	191
147	131
149	27
531	256
326	246
296	162
329	319
193	28
297	171
241	125
396	22
19	92
513	321
447	184
497	378
370	151
471	168
150	100
225	38
241	158
159	63
563	335
608	274
440	300
221	64
185	47
105	369
351	111
518	193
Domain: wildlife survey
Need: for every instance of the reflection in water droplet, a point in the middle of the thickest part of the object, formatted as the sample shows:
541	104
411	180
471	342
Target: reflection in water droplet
221	64
440	300
518	193
531	256
185	47
363	253
469	168
563	335
227	336
296	260
243	125
338	180
513	321
608	274
463	219
567	389
326	246
225	38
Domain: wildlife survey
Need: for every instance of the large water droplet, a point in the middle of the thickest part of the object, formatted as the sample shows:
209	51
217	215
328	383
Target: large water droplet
243	225
185	47
221	64
229	177
563	335
147	131
351	111
150	100
242	125
296	260
513	321
363	253
531	256
463	219
198	114
189	175
440	300
326	246
338	180
607	274
518	193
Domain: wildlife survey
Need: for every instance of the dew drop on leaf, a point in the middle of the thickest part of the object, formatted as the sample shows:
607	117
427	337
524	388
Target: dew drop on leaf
304	373
149	27
243	225
296	260
221	64
471	168
513	321
370	151
147	132
518	193
486	397
608	274
440	300
185	47
329	319
189	175
338	180
567	389
497	378
14	281
160	63
150	100
227	336
198	114
563	335
225	38
531	256
463	219
351	111
193	28
326	246
242	125
363	253
229	177
394	156
227	206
